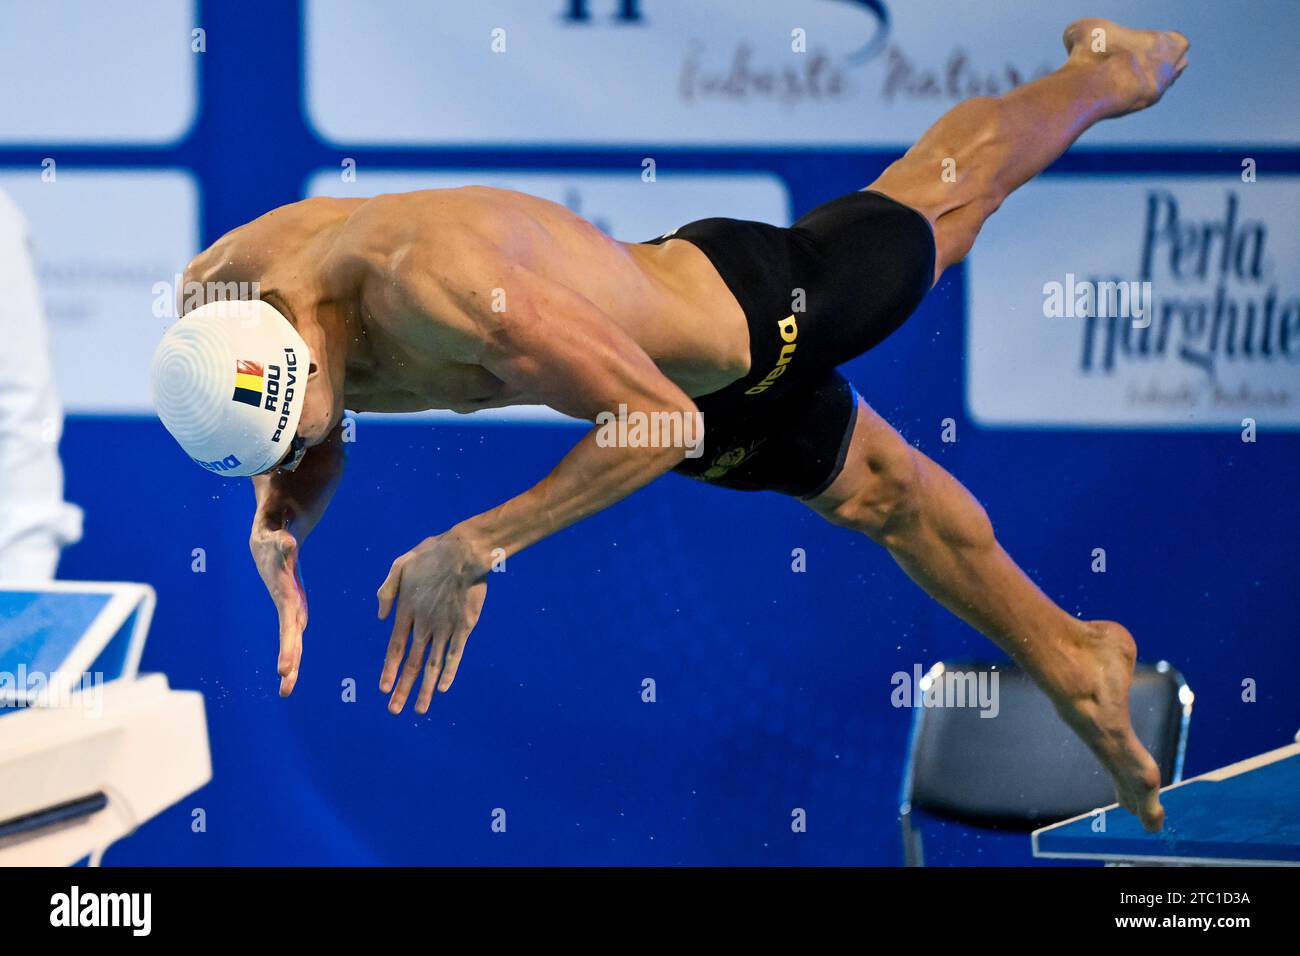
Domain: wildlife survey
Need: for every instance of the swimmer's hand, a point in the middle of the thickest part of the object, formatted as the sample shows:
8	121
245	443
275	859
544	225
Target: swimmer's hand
289	504
275	551
438	587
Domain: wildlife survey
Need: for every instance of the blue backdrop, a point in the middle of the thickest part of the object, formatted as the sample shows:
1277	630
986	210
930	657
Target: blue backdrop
773	687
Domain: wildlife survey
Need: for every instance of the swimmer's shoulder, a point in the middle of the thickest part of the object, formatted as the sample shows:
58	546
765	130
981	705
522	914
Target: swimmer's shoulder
248	251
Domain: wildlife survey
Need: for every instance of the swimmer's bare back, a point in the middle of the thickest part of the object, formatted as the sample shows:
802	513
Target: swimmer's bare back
414	282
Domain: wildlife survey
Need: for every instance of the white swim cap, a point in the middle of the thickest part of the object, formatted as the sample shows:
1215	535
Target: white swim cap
229	381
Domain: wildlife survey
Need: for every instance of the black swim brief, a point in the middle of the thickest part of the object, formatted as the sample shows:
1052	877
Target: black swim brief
832	286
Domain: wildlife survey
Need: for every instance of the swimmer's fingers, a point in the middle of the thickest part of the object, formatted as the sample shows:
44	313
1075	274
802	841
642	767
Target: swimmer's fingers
454	652
444	658
293	621
410	671
396	646
455	647
439	660
276	555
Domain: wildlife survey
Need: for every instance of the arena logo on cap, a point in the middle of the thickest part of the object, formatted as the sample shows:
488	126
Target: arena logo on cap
221	464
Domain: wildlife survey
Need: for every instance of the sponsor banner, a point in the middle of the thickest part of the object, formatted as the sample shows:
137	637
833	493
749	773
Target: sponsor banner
1157	302
108	247
621	204
756	72
97	71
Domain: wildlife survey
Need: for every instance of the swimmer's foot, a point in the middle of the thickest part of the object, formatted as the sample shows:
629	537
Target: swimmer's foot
1140	64
1091	691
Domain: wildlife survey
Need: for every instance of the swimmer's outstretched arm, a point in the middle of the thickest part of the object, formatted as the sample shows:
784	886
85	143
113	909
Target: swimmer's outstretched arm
289	504
556	347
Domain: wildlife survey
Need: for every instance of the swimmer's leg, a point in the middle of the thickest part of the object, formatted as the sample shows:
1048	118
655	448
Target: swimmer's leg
940	535
965	165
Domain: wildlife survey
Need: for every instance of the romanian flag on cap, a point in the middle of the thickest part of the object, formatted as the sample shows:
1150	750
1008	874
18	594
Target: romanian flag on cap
248	382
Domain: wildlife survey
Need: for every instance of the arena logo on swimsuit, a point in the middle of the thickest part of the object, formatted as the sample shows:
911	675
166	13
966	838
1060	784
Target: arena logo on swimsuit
789	330
273	390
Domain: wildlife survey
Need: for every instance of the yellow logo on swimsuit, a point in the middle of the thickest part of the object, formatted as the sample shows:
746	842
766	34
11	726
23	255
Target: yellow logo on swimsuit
789	330
724	462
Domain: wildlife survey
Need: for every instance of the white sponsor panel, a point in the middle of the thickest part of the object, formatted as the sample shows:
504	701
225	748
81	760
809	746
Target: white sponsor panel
758	72
1155	302
103	241
621	204
96	71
